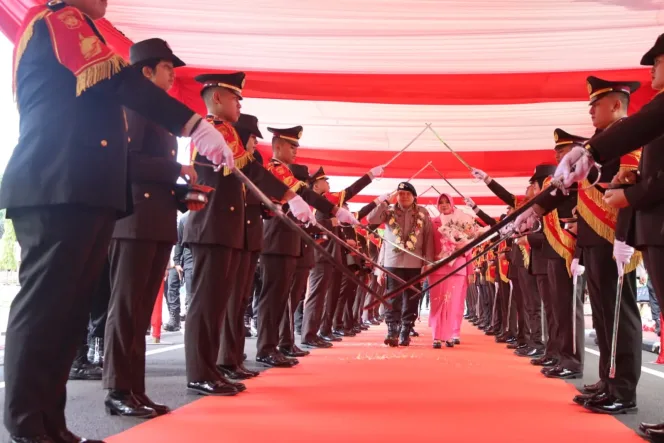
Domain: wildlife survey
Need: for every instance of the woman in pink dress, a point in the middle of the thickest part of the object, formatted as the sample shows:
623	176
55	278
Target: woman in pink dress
452	230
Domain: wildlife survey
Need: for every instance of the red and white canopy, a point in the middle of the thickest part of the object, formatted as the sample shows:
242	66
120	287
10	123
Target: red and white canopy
494	78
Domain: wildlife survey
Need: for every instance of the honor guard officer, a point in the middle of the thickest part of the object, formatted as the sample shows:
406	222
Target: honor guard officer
324	280
533	280
596	237
231	352
282	247
645	190
298	287
142	242
64	225
217	233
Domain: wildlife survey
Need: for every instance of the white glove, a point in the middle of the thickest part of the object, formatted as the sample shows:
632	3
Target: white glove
526	221
469	202
574	166
211	144
383	198
481	175
377	171
576	268
507	229
301	210
344	216
623	254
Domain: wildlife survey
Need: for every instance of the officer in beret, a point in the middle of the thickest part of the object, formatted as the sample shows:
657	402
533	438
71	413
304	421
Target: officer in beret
409	226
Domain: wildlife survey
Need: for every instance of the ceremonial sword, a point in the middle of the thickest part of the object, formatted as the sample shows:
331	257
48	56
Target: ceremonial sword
575	288
426	126
616	318
450	149
554	185
305	236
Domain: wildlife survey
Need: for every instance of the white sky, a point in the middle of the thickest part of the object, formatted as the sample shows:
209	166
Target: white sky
8	113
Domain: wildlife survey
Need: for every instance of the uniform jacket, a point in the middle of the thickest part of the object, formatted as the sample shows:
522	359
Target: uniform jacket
339	198
72	147
153	171
224	220
279	238
646	198
424	247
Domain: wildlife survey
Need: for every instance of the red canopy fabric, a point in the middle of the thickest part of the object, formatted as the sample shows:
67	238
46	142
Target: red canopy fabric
494	79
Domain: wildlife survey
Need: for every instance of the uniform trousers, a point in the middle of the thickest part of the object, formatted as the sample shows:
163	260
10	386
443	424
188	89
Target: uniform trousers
532	304
602	279
137	270
360	297
471	300
231	349
215	269
296	295
277	273
552	349
487	294
343	319
371	314
319	280
564	298
508	309
63	250
331	301
497	319
402	308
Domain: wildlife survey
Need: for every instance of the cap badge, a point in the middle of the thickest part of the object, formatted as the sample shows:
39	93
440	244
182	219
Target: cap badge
401	186
555	136
242	85
299	135
590	87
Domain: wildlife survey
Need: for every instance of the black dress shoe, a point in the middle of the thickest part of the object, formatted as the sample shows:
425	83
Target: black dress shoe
563	374
531	352
356	329
581	399
608	404
490	332
243	369
545	362
655	435
275	360
85	371
501	339
233	373
146	401
317	343
645	427
240	387
214	388
364	327
511	339
374	322
414	333
329	337
457	341
124	404
595	387
66	436
449	344
516	345
293	351
35	439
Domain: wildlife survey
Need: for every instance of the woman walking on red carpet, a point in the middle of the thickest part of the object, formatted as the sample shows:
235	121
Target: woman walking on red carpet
452	230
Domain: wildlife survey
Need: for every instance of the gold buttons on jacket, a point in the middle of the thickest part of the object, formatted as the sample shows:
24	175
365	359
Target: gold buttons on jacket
146	195
232	208
173	152
128	139
248	222
104	143
172	192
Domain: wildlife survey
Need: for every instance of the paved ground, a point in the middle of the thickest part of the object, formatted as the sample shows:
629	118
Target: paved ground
166	381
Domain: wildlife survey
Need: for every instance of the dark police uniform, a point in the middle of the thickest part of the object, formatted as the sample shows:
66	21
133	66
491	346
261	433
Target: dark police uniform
596	234
64	186
324	280
231	351
216	236
278	262
298	289
140	250
534	290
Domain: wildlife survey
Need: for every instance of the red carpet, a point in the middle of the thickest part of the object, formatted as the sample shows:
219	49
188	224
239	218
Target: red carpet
362	391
